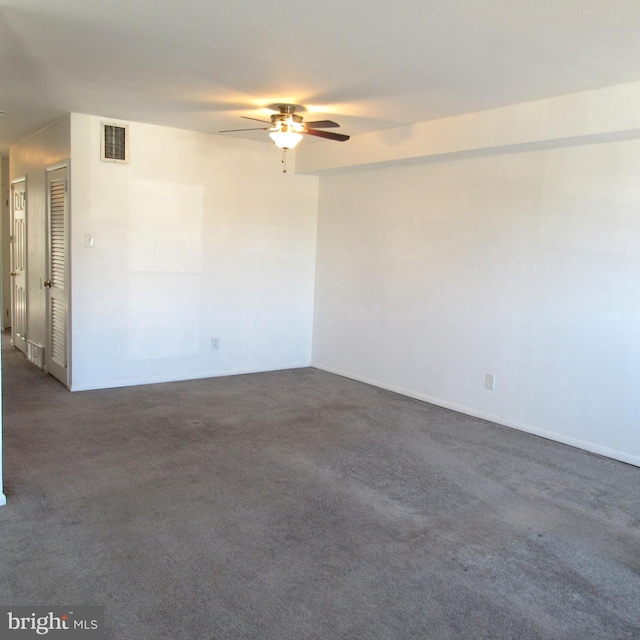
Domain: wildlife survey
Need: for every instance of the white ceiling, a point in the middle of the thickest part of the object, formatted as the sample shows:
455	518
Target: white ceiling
369	64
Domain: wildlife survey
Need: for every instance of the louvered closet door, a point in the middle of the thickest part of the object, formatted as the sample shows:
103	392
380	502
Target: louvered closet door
19	265
56	353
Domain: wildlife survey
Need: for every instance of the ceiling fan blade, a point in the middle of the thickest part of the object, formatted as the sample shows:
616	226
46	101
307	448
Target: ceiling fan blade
251	129
329	135
322	124
256	119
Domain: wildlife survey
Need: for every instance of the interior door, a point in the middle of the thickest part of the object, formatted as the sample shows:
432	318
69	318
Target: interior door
18	271
56	352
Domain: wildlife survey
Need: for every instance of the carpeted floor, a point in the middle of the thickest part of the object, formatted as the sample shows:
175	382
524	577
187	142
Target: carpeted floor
299	505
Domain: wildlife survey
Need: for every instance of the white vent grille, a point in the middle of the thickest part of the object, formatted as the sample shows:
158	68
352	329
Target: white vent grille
114	146
35	353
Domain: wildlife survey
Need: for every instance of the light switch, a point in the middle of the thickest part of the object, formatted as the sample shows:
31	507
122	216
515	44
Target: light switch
89	241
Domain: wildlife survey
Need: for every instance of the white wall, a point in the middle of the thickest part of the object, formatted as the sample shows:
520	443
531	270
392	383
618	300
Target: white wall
525	265
30	158
199	236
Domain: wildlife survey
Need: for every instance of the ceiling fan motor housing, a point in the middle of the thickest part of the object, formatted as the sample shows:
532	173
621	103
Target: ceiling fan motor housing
287	119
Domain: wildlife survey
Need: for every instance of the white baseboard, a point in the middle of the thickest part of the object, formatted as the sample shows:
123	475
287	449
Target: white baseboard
501	420
135	382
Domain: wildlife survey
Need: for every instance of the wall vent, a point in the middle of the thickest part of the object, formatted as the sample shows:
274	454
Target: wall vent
114	143
35	353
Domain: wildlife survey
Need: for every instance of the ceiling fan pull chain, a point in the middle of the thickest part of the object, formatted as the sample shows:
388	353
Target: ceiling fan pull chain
284	160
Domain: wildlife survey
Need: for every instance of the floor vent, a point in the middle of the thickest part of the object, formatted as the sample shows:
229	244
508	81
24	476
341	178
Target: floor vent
114	144
35	354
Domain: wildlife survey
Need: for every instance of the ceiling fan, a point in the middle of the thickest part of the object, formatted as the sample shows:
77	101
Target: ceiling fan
287	129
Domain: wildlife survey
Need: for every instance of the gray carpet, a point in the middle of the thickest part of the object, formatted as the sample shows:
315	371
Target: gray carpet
297	504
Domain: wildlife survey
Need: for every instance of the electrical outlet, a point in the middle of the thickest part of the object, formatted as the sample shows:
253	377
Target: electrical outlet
215	343
490	381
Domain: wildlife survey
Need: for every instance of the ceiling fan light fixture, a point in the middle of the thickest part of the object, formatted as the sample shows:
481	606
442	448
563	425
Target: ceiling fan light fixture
287	129
285	139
